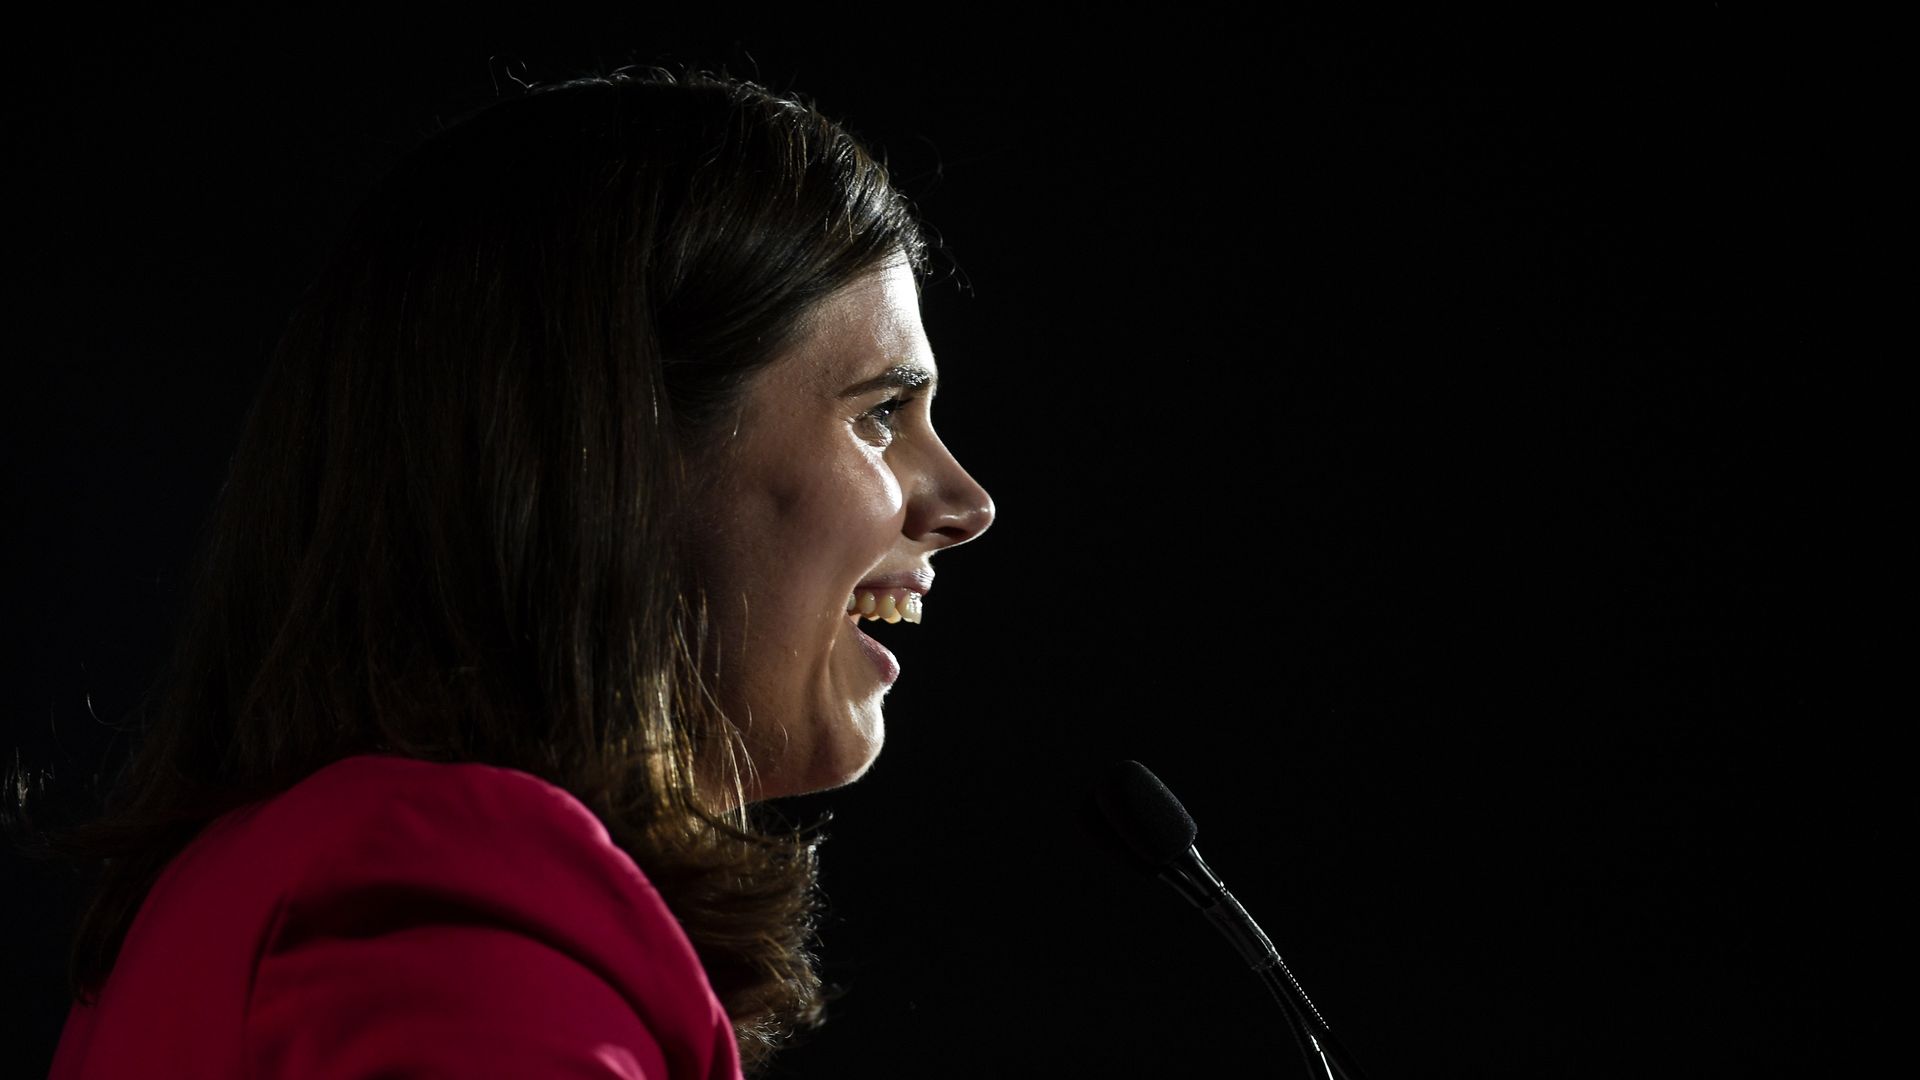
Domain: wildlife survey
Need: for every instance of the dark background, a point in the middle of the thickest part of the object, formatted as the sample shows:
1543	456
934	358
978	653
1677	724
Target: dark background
1399	441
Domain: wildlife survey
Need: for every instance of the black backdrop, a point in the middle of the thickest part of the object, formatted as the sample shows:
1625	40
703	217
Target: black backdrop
1390	446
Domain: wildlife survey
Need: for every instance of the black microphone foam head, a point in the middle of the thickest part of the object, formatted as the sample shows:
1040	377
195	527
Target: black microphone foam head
1144	813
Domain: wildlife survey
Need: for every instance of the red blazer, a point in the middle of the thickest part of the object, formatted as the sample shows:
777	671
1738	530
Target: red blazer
391	917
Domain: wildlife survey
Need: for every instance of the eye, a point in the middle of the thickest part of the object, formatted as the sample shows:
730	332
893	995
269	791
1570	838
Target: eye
883	420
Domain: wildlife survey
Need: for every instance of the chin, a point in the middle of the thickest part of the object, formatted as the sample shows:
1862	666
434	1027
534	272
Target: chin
828	768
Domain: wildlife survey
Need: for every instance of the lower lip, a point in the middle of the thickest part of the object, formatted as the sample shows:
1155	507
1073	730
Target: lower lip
883	661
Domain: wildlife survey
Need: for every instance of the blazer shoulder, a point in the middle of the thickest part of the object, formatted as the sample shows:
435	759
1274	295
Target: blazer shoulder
408	850
508	927
363	796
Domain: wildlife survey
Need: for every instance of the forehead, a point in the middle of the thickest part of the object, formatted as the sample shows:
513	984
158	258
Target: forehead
860	331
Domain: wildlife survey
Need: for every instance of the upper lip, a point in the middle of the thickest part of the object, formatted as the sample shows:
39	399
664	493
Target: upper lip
912	580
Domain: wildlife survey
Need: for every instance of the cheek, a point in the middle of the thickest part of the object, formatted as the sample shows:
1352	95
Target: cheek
874	493
824	517
857	505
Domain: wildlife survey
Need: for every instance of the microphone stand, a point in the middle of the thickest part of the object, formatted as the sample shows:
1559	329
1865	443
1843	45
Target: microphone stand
1325	1057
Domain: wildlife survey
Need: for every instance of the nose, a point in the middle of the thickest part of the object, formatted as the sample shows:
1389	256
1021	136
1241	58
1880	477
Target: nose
950	507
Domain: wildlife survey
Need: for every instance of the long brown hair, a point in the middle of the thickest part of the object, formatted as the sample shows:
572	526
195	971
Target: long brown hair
453	527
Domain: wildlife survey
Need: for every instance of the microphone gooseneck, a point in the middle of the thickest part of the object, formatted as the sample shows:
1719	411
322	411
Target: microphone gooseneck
1160	833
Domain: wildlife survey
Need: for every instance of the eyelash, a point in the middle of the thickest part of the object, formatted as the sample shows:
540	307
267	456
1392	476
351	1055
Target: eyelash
886	414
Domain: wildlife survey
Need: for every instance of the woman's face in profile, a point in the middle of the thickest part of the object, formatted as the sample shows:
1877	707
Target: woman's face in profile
836	487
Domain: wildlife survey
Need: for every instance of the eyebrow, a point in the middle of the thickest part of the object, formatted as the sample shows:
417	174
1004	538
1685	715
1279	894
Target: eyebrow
898	377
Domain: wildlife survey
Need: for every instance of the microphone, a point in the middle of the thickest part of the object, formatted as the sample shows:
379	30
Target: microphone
1160	834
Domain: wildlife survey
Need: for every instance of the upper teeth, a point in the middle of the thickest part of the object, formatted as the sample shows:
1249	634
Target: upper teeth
870	607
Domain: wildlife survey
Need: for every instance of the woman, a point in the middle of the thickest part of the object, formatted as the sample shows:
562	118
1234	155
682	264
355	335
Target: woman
542	559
